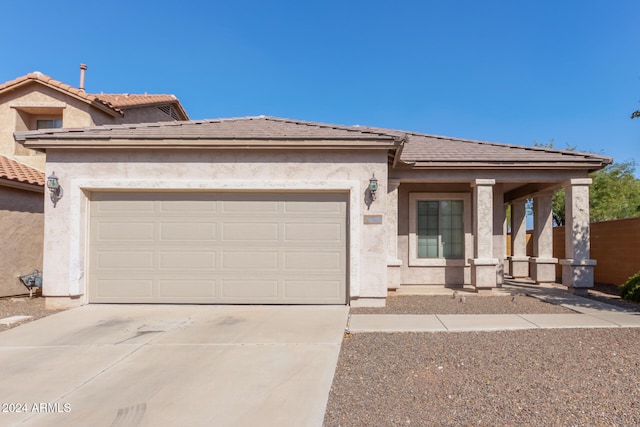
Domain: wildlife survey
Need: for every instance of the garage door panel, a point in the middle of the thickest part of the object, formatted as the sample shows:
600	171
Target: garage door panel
302	290
188	207
249	231
265	248
118	286
249	290
125	230
314	262
249	260
249	207
194	289
181	260
313	207
141	259
188	231
314	232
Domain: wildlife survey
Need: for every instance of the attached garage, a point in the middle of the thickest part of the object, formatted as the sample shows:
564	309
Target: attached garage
218	247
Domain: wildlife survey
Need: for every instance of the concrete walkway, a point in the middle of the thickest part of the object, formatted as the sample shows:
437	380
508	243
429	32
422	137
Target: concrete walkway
588	314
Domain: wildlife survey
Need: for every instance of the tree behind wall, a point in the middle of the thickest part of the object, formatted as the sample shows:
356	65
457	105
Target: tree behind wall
614	194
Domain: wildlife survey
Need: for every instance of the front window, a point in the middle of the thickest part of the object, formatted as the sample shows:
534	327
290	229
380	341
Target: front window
48	123
440	229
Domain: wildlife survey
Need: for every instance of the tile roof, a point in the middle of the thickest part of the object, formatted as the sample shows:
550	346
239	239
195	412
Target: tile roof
70	90
418	150
243	128
431	150
124	100
114	103
17	172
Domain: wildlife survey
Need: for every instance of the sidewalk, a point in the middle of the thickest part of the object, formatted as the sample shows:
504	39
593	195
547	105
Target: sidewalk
588	314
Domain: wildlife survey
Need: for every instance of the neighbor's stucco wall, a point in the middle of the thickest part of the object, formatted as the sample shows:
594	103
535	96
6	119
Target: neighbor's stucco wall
172	170
19	110
145	114
452	275
38	101
21	234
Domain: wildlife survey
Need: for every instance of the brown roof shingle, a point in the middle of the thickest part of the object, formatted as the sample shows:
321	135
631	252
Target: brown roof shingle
243	128
11	170
418	150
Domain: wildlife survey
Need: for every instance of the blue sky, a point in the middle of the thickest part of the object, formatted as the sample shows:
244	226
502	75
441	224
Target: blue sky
505	71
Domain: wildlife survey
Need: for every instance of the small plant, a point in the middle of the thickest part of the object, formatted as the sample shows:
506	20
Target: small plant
630	291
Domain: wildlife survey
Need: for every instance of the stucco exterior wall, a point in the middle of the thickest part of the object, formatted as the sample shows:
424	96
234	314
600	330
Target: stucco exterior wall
144	115
456	272
21	236
202	170
75	113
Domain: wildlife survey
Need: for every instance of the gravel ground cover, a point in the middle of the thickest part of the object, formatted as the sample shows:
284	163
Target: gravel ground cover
462	304
552	377
22	306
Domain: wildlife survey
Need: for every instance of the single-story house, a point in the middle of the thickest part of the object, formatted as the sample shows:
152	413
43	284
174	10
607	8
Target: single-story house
264	210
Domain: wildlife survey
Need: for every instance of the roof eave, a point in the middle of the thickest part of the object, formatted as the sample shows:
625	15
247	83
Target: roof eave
37	188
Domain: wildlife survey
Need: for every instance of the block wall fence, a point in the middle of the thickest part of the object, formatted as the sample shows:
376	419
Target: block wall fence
614	244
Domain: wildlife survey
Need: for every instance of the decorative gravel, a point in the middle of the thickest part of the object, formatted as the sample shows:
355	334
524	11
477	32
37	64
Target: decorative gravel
462	304
22	306
575	377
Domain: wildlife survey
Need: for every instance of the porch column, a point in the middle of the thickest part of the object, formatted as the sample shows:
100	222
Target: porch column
577	267
519	261
391	223
499	235
483	265
543	264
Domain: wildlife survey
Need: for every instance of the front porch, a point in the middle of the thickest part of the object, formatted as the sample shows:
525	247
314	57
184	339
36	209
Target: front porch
454	234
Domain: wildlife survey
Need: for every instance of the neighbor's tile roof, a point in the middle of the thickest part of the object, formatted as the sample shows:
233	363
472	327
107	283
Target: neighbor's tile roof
113	102
244	128
17	172
48	81
123	100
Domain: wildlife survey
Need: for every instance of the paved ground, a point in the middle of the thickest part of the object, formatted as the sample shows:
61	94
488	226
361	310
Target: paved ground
585	313
126	365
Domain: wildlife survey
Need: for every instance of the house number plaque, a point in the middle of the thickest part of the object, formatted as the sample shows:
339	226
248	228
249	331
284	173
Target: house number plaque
372	219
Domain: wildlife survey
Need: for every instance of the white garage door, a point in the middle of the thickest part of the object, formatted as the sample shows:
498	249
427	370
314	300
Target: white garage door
222	248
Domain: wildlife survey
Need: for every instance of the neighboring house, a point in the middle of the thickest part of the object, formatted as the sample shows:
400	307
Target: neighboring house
21	224
267	210
36	101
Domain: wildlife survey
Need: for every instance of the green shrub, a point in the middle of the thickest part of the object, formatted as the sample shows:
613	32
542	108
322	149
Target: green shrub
630	291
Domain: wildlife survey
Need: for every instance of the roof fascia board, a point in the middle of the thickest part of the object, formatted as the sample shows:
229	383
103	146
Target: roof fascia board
203	143
21	185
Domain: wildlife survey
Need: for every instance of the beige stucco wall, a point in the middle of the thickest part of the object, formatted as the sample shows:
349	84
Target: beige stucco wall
21	235
144	115
171	170
75	113
452	274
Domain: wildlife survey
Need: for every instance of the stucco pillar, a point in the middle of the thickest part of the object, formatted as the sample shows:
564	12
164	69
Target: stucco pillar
518	259
499	236
577	267
484	264
393	263
543	264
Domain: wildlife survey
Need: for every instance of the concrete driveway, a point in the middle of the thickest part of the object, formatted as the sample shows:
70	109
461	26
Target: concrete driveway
142	365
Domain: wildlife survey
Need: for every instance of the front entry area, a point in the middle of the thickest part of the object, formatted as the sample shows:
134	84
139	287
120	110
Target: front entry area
218	247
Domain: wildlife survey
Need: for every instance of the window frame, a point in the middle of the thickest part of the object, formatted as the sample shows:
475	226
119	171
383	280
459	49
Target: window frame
467	249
